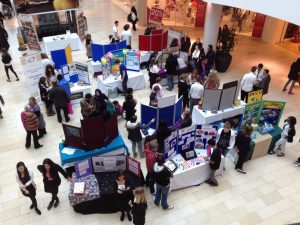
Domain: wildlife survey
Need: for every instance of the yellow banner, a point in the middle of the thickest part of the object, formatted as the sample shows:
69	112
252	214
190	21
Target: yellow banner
255	96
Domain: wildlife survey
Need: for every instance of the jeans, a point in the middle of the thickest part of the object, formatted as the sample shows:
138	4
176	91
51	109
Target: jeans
161	195
124	86
280	145
59	115
11	69
140	147
287	84
170	82
35	138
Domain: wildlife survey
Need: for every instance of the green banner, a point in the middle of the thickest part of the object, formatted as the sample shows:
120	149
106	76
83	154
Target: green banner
271	111
252	113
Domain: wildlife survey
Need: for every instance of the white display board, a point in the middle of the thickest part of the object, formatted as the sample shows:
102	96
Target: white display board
166	101
109	163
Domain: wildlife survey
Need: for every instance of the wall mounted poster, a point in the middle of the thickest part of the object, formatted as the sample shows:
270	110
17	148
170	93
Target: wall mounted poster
38	6
255	96
29	32
203	134
252	113
186	139
170	149
271	111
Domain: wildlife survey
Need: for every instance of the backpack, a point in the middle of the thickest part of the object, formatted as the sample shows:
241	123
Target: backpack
291	134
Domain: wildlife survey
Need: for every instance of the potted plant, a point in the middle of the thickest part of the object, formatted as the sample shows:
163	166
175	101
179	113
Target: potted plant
226	43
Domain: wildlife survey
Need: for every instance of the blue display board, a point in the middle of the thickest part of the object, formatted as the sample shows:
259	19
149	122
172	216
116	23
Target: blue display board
186	139
178	109
147	114
170	148
203	134
167	114
59	58
98	51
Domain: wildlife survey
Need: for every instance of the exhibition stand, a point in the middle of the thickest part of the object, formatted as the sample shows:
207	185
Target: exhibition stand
78	92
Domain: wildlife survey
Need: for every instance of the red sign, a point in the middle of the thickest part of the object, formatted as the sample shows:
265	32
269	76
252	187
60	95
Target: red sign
258	25
156	15
200	13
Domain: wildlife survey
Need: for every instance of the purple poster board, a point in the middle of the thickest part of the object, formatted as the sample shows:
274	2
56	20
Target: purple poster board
83	168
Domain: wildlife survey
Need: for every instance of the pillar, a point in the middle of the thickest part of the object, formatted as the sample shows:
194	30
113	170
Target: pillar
273	30
141	8
211	25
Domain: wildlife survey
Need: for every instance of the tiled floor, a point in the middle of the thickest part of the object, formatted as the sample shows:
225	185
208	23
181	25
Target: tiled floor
269	193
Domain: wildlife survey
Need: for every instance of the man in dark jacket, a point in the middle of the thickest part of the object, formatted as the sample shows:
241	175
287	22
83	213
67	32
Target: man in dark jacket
185	42
210	56
214	162
293	76
60	99
264	83
162	179
171	67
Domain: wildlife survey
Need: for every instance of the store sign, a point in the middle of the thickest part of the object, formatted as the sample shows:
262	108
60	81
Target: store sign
156	15
200	13
258	25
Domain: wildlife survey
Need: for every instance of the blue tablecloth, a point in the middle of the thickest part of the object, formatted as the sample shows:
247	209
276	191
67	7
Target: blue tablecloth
80	154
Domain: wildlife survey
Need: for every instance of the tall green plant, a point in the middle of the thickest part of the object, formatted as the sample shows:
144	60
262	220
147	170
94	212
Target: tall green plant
226	42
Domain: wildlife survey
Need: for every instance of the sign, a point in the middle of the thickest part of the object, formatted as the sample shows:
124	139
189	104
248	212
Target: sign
255	96
29	32
252	113
109	163
132	61
203	134
33	70
83	73
258	25
186	139
155	15
200	13
271	112
134	166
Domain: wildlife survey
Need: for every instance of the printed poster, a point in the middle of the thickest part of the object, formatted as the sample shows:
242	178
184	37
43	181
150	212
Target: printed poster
81	24
252	113
29	32
203	134
255	96
132	61
170	149
186	139
117	54
271	111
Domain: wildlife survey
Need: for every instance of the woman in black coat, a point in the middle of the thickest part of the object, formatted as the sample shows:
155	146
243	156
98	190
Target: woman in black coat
139	206
51	179
293	76
4	45
45	96
162	133
129	107
100	100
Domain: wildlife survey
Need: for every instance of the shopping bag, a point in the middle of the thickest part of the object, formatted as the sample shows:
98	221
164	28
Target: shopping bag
70	108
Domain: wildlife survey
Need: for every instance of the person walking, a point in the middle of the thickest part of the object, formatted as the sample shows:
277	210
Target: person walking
51	179
133	18
171	67
4	45
293	76
151	155
26	184
35	108
135	136
247	83
264	82
60	99
126	36
139	206
162	179
116	32
183	90
185	43
242	147
214	161
3	103
123	74
45	96
31	125
211	57
196	94
6	59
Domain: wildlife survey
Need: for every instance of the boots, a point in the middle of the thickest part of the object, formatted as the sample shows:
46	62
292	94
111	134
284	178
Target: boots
50	204
129	216
56	202
37	210
122	216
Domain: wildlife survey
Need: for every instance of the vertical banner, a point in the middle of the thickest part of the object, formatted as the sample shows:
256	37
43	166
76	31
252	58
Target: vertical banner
68	52
156	15
258	25
200	13
255	96
80	24
33	70
29	32
252	113
271	111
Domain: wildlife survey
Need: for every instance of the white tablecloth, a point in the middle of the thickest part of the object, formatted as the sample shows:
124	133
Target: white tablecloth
135	80
193	176
78	92
95	67
51	43
200	117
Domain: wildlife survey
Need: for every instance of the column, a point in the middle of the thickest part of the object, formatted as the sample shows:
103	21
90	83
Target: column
273	30
141	8
211	25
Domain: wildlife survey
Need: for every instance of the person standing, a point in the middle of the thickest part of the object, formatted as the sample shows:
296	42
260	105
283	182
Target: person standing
293	76
35	108
116	32
196	94
51	179
214	161
123	74
64	83
100	100
225	138
259	71
133	18
4	45
6	59
186	120
196	43
185	42
2	102
45	96
161	92
242	147
126	36
26	184
162	179
211	57
212	81
31	125
264	82
183	90
46	61
151	155
162	133
129	107
60	99
50	74
153	96
171	67
139	206
88	45
153	70
135	136
247	83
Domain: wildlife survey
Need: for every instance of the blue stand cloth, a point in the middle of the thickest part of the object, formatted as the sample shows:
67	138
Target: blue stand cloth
80	154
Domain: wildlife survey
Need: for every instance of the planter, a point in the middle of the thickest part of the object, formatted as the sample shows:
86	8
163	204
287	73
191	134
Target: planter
222	63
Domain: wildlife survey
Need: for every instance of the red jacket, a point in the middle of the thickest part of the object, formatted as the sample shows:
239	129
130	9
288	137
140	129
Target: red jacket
150	158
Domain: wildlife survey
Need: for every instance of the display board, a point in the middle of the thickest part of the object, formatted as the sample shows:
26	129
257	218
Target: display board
38	6
252	113
132	61
227	98
203	134
166	101
98	51
271	111
83	168
134	166
109	163
186	139
147	114
155	42
76	72
255	96
62	57
81	24
33	70
178	109
167	114
211	99
29	32
117	55
83	73
170	148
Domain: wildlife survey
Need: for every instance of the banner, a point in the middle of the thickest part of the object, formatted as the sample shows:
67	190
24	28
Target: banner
155	15
271	111
29	32
38	6
252	113
200	13
255	96
33	70
80	24
258	25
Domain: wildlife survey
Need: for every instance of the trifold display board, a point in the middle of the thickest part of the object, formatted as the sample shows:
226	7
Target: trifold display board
62	57
76	72
132	61
154	42
169	113
98	51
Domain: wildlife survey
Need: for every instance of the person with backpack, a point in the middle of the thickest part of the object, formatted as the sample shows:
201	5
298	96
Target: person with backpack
6	59
287	135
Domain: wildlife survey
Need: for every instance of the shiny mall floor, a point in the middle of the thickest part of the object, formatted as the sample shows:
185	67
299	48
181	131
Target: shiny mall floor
268	194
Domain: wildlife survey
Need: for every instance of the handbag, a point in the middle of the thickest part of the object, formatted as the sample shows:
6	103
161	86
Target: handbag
129	19
70	108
